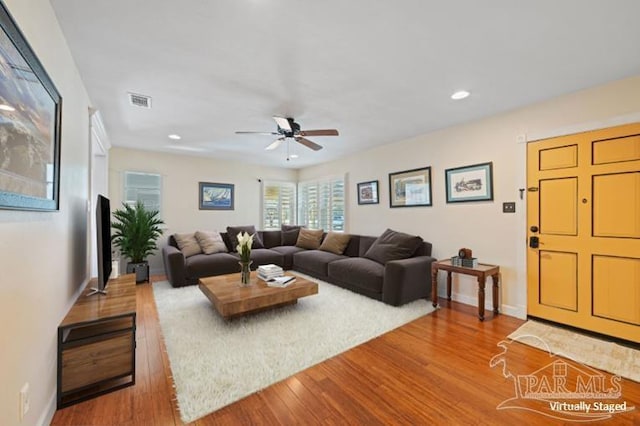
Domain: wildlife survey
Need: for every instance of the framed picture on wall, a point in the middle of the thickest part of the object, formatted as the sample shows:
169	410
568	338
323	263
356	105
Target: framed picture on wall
410	188
216	196
469	183
368	192
30	118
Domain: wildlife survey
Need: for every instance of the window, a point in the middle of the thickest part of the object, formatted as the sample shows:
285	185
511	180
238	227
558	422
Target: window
278	204
321	204
145	187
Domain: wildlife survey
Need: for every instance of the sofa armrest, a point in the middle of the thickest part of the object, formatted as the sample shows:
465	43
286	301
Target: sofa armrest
174	266
406	280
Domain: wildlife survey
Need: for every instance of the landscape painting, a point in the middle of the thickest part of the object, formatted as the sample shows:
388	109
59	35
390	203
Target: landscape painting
30	114
469	183
216	196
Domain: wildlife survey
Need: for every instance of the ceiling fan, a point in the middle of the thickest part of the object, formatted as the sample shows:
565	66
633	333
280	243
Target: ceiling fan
288	128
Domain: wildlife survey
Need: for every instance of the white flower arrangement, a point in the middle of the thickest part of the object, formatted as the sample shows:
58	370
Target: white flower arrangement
245	241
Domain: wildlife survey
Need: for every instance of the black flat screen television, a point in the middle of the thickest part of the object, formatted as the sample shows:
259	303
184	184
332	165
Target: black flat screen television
103	239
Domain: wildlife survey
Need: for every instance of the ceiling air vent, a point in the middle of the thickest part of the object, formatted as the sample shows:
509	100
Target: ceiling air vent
140	100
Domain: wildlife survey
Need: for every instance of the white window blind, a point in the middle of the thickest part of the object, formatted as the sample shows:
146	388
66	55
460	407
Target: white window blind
278	204
144	187
321	204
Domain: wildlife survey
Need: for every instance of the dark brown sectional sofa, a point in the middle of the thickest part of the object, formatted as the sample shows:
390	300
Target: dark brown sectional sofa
394	282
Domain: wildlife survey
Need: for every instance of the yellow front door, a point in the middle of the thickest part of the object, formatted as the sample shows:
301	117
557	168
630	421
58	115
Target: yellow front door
583	207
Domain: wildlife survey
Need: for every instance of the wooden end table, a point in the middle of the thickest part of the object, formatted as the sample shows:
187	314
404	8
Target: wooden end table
482	271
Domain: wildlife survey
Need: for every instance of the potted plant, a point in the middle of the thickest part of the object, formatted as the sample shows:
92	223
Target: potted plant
136	232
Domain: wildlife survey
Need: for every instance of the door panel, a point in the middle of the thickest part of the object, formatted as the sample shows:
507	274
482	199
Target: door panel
559	280
616	205
559	157
616	288
616	150
558	206
584	196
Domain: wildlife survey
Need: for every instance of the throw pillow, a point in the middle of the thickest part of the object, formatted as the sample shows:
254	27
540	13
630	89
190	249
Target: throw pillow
211	242
188	244
289	234
309	239
335	242
233	232
393	245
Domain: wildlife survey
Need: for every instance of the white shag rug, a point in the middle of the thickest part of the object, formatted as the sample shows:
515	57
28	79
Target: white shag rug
606	356
216	362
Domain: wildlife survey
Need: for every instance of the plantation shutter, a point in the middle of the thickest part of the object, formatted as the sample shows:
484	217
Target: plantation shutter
278	204
144	187
321	204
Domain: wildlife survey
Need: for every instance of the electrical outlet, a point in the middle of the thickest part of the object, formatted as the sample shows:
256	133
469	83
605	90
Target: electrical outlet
24	401
509	207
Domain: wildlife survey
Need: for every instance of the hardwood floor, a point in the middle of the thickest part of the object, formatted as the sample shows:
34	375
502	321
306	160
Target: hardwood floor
434	370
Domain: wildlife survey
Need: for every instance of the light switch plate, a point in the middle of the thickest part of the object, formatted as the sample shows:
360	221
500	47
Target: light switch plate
509	207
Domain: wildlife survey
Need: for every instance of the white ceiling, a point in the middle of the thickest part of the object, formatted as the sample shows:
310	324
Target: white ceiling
378	71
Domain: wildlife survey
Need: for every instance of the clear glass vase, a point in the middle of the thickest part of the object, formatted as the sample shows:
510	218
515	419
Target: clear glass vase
245	273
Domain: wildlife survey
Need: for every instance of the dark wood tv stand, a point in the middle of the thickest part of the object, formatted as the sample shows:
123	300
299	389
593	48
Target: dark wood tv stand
97	343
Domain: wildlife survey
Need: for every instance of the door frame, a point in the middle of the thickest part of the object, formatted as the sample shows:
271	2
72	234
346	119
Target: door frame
522	140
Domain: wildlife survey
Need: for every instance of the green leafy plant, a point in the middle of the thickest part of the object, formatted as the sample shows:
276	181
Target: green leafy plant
136	231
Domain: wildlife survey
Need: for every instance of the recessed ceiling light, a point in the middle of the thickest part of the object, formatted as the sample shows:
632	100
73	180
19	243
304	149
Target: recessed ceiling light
185	148
5	107
175	137
461	94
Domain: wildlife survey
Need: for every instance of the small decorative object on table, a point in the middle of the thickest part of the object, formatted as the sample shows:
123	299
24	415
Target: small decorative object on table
267	272
244	250
464	258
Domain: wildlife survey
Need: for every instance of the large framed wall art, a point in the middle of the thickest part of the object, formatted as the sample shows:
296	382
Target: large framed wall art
469	183
216	196
410	188
30	123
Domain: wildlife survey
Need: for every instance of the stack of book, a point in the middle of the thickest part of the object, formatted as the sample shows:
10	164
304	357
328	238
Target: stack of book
268	272
467	263
281	281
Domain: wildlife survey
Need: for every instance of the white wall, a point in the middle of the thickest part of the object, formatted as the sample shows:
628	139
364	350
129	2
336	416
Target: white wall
180	177
493	236
43	256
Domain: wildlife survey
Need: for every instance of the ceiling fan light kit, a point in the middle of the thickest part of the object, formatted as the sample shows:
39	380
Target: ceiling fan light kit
288	128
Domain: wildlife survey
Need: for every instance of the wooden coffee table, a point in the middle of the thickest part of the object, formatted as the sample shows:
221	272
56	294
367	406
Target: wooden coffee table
231	300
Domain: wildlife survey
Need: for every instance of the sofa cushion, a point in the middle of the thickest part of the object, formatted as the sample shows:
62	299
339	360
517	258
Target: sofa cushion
365	243
287	252
188	244
315	262
358	272
309	238
289	234
207	265
264	256
211	242
393	245
233	232
270	239
335	242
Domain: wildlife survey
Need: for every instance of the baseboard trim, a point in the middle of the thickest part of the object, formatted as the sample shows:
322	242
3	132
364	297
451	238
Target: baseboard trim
512	311
49	411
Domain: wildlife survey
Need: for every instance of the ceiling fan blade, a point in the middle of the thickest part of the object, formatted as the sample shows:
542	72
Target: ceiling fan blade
306	142
274	144
283	123
257	133
324	132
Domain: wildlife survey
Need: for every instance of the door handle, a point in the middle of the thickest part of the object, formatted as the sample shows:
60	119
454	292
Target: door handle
534	242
